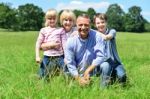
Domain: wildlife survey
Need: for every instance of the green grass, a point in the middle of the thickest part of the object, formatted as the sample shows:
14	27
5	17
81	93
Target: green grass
18	71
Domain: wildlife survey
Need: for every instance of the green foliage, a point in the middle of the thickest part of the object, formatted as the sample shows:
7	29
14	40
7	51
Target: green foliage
18	71
7	16
26	17
147	27
133	20
91	12
115	16
79	12
31	17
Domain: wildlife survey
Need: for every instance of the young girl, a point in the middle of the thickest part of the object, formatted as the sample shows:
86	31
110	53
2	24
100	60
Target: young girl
55	38
109	35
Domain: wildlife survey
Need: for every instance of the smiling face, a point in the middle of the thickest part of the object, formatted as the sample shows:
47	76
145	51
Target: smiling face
83	26
100	20
68	23
51	18
100	24
51	21
67	19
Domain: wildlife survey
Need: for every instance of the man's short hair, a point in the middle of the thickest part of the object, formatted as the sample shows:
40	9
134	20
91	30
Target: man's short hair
84	16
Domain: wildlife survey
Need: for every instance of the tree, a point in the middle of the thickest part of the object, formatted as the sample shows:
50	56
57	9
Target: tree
115	17
91	12
30	17
78	12
133	20
7	16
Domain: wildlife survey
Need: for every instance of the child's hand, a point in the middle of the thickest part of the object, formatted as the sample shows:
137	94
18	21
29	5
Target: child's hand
83	81
50	45
38	59
55	45
86	76
103	36
65	61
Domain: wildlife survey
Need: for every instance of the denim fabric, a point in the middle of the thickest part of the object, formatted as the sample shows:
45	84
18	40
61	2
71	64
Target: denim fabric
110	70
49	64
120	72
105	71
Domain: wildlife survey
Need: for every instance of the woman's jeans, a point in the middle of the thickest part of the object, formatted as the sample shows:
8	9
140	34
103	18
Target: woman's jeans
49	65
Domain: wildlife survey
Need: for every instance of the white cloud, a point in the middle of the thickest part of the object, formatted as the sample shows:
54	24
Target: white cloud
76	4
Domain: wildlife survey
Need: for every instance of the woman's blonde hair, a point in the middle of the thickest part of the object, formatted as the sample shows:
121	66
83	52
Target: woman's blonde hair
50	13
67	14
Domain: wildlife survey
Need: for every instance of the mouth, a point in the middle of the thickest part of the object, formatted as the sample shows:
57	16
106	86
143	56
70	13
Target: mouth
84	30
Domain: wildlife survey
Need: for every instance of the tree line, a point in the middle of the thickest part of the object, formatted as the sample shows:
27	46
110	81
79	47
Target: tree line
30	17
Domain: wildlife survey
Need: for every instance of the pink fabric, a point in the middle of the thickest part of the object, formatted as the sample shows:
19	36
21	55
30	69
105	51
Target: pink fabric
48	34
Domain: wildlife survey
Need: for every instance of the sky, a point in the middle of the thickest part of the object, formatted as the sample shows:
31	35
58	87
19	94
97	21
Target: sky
99	5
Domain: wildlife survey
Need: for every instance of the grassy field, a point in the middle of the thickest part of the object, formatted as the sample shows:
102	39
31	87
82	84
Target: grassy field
18	71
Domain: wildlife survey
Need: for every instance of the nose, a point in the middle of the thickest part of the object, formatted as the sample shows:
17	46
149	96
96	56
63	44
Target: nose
53	20
83	26
68	21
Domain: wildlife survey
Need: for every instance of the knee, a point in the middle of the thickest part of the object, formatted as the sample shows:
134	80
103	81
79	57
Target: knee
105	66
120	71
122	79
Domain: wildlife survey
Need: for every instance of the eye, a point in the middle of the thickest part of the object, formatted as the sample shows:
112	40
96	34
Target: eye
68	20
80	24
86	25
51	18
97	23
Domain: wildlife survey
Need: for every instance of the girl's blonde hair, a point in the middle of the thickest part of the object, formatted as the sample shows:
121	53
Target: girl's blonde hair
67	14
50	13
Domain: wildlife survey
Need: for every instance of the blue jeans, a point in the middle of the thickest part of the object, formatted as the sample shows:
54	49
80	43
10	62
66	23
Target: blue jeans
105	71
111	70
119	71
49	64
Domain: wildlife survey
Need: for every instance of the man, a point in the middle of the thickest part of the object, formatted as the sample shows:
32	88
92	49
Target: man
84	52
